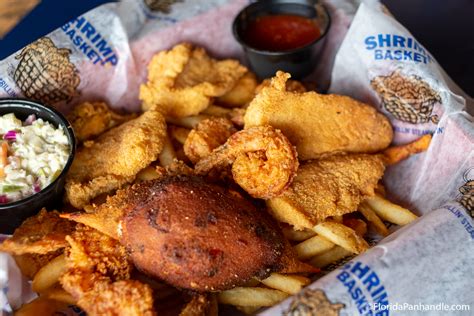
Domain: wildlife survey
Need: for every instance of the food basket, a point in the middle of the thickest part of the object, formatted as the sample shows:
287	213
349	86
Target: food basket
422	267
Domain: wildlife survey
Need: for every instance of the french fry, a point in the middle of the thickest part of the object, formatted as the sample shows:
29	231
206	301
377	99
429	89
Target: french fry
312	247
49	275
148	173
251	296
57	293
167	155
341	235
396	154
370	215
389	211
333	255
290	284
41	306
188	121
179	133
297	235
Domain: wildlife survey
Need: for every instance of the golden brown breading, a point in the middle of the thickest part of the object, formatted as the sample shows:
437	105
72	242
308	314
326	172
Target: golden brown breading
105	217
127	297
263	160
90	119
39	234
183	80
242	92
115	158
291	86
208	135
330	186
98	273
318	124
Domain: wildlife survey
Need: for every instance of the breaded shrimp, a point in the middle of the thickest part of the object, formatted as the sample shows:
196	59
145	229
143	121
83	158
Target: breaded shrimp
208	135
263	160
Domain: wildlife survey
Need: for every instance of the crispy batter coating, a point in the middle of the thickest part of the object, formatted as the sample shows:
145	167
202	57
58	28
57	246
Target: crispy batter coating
98	276
319	124
208	135
127	297
330	186
198	236
291	86
183	80
90	119
263	160
115	158
39	234
242	93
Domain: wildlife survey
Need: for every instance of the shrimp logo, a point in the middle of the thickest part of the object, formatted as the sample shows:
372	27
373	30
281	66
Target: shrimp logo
313	302
161	5
45	72
407	98
467	191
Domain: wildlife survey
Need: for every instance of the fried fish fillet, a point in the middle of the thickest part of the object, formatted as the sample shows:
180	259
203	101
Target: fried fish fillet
318	124
183	80
242	92
331	186
90	119
115	157
40	234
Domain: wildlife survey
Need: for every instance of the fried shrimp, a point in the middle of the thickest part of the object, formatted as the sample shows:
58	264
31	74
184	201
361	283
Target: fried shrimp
263	160
208	135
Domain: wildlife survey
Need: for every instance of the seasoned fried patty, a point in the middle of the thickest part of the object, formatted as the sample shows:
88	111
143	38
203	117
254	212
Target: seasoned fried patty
199	236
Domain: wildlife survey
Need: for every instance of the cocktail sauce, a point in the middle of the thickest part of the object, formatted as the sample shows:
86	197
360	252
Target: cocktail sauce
281	32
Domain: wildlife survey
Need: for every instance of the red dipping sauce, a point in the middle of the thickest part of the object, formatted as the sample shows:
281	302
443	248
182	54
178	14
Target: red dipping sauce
281	32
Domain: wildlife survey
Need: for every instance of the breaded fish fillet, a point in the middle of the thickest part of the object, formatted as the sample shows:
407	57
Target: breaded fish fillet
90	119
183	80
318	124
114	158
334	185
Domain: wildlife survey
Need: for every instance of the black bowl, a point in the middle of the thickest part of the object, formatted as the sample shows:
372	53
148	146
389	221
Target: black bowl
299	62
13	214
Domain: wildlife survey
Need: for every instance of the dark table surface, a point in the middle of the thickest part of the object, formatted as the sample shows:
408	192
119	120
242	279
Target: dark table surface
445	28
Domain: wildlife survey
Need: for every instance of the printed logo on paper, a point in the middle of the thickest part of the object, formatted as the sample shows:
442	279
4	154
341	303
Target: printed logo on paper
45	72
313	302
467	191
163	6
365	288
407	97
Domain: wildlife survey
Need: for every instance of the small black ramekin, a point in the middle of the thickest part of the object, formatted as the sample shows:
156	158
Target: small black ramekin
299	62
13	214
